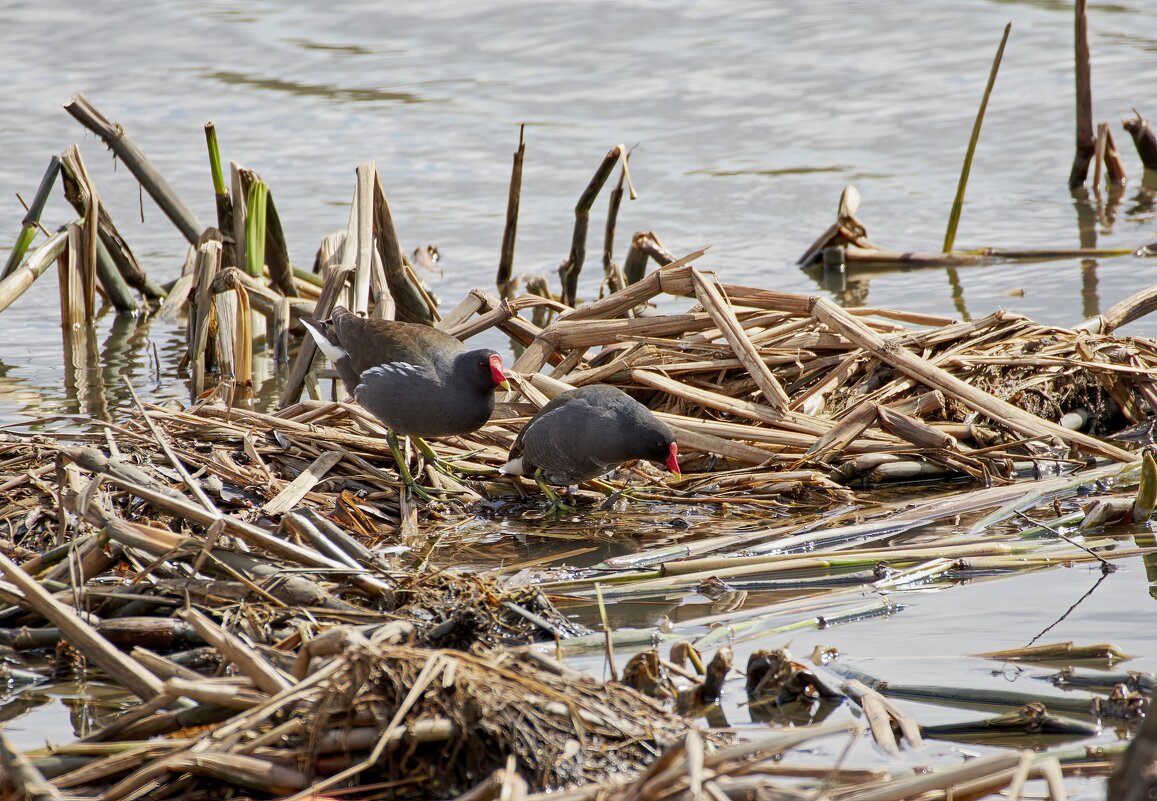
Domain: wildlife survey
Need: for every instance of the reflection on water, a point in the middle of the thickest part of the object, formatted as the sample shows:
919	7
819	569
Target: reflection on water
1096	216
315	90
97	361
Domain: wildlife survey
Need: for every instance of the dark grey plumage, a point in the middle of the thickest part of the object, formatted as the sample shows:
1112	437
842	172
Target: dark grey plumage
586	432
416	379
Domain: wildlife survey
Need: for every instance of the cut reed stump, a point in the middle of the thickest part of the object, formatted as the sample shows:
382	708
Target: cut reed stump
1086	139
1144	140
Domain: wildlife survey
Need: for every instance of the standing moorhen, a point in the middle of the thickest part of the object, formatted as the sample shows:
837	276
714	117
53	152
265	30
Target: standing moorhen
586	432
414	378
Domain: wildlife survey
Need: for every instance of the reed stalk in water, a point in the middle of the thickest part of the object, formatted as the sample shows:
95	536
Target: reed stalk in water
255	228
224	200
510	231
1086	139
32	218
958	202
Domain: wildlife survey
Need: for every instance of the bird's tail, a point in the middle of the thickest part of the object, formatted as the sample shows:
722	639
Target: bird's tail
513	468
320	332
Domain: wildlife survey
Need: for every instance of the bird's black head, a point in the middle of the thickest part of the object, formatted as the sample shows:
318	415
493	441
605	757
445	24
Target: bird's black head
484	369
665	451
656	443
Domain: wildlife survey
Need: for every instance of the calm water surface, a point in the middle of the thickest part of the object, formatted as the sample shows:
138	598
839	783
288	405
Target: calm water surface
748	119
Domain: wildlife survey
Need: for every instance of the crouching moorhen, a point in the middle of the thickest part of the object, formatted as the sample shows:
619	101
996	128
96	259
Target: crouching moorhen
414	378
586	432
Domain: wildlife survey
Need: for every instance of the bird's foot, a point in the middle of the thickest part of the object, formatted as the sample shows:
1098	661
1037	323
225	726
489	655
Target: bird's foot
557	505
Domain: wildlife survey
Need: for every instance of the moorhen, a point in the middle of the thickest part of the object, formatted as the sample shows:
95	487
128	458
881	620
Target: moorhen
586	432
417	380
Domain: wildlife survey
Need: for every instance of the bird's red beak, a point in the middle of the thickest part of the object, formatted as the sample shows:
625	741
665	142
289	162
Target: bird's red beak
496	372
673	459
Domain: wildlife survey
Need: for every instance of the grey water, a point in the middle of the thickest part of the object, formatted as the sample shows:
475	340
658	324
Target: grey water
747	119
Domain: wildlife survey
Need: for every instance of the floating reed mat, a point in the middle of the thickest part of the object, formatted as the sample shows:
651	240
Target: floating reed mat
771	381
775	397
275	603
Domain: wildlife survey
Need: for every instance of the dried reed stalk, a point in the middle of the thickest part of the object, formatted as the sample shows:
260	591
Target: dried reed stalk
510	231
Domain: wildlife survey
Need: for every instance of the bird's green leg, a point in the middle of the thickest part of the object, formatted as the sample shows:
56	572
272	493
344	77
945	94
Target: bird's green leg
445	466
557	505
404	468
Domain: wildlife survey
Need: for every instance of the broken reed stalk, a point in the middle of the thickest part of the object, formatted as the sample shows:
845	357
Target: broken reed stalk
78	187
332	289
570	269
1086	143
975	256
635	263
962	184
240	212
70	280
234	336
1125	311
612	273
1114	165
644	245
413	302
32	218
279	332
255	227
226	313
510	231
224	200
91	244
262	298
154	183
15	284
1099	146
208	260
359	240
281	271
1143	139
